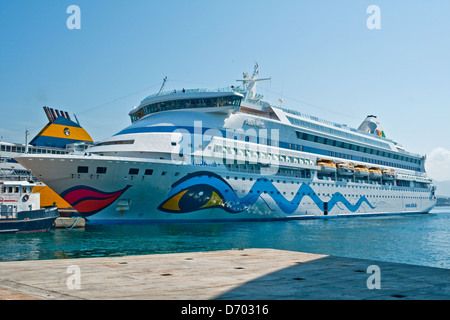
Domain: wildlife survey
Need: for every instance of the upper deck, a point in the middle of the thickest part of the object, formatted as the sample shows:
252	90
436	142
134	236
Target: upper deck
186	99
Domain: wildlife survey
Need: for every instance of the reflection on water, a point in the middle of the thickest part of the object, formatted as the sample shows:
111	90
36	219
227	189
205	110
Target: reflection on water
415	239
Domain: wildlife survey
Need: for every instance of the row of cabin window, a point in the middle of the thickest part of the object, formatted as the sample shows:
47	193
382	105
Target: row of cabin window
262	155
306	174
15	190
344	145
102	170
345	195
335	132
32	150
317	139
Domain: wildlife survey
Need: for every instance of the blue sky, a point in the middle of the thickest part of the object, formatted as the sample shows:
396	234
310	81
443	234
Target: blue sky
322	58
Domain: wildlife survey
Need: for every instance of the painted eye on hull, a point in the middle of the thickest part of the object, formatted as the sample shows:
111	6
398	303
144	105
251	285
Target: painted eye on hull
194	198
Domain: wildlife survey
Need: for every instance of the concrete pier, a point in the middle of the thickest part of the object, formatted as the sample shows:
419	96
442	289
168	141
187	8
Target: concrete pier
262	274
69	223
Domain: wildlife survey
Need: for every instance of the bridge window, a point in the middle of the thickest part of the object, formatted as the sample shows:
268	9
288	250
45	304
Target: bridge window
184	104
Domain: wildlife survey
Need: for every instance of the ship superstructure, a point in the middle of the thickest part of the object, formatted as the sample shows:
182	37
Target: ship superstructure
227	154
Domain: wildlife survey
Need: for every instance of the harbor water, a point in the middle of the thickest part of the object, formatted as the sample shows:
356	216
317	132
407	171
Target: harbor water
419	239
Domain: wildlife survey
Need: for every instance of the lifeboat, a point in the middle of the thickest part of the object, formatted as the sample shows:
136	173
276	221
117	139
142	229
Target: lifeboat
375	173
345	168
388	174
361	171
327	166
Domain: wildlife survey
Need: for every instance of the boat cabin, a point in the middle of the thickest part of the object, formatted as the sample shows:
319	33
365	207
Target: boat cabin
16	196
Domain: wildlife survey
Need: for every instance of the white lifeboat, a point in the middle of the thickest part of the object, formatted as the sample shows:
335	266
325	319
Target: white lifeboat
388	174
375	173
345	168
361	171
327	166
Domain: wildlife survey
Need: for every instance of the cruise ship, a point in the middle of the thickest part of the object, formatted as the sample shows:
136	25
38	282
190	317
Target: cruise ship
219	155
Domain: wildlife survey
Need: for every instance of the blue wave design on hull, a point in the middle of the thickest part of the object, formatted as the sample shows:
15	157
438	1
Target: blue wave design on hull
202	184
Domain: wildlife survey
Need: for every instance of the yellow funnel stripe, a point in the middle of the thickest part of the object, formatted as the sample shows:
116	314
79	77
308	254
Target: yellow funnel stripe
65	132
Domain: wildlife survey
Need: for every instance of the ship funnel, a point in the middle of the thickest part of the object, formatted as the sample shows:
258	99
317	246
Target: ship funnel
52	115
49	114
61	131
372	125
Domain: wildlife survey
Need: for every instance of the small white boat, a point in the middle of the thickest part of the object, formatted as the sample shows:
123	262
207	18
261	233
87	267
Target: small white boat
20	209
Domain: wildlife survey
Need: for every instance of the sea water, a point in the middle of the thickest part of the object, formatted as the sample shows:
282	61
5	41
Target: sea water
420	239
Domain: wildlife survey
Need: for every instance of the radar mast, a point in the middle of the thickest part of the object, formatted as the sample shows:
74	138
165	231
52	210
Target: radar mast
249	83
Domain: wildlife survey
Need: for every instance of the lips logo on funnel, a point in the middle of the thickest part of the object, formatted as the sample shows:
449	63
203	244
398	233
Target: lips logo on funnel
88	201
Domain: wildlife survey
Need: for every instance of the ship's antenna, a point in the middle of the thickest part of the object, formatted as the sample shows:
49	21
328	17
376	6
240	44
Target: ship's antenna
27	133
76	119
163	85
249	84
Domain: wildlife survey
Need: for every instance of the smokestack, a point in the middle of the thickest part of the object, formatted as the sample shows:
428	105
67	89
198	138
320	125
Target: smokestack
48	114
57	112
67	116
53	114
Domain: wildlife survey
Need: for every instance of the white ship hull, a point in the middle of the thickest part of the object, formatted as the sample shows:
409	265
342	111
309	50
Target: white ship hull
140	197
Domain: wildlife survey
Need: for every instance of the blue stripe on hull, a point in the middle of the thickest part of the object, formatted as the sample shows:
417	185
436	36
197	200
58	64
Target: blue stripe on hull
287	218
